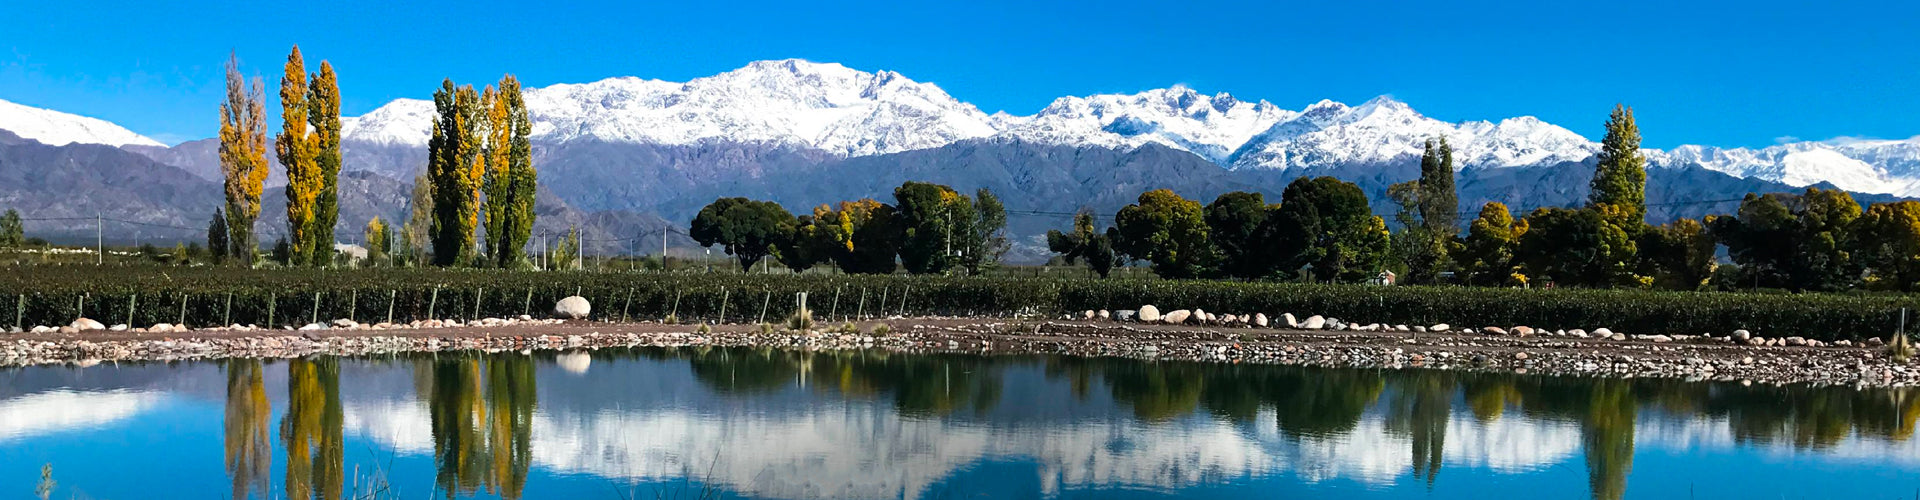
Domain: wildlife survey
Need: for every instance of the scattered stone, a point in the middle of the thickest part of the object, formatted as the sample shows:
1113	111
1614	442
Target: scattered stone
1619	337
1494	330
1520	356
43	329
1843	343
1199	316
573	307
1288	319
118	327
1659	339
1875	342
1742	335
1089	314
1260	320
1577	333
1419	329
1103	314
1314	322
1794	341
1177	317
84	324
1602	332
1149	314
1125	315
313	327
1440	328
1524	331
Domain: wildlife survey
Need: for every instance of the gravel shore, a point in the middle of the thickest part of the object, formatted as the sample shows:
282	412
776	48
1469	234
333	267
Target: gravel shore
1692	359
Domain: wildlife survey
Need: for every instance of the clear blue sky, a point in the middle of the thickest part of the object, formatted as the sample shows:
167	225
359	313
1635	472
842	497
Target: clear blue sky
1707	72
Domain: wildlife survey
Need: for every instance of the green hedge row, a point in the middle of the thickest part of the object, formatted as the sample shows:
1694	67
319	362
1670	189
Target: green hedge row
55	295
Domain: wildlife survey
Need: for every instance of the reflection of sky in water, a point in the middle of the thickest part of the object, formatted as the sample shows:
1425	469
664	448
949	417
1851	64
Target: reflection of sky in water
652	421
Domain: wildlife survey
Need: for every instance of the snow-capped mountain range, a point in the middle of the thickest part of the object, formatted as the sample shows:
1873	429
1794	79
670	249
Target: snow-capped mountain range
848	113
55	128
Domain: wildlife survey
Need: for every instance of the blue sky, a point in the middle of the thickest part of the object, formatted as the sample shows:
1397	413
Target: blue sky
1709	72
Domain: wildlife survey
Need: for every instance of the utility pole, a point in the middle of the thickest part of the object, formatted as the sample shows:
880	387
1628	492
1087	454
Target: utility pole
99	239
663	248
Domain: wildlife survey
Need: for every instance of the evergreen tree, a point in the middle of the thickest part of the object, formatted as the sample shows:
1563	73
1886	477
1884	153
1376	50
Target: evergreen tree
13	233
1243	229
1577	247
1439	202
295	147
217	245
1326	223
1620	174
455	168
243	158
323	115
1887	239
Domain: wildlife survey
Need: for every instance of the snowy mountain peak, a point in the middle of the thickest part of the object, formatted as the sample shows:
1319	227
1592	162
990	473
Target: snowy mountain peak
1384	130
55	128
1207	125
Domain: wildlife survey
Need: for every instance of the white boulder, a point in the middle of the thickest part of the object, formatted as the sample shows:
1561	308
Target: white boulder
573	307
1148	314
1314	322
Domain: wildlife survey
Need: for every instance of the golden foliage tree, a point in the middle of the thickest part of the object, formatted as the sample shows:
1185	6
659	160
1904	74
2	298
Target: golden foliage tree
243	158
455	168
295	147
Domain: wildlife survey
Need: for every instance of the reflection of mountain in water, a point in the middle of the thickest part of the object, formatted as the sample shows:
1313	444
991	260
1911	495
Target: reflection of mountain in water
785	424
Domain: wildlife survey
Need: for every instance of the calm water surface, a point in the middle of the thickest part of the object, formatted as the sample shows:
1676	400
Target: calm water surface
653	423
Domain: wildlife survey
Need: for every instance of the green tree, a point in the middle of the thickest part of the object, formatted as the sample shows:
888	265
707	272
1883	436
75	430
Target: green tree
1243	228
934	216
1796	242
13	234
986	242
1578	247
454	167
804	248
217	238
1486	255
243	158
748	229
1168	231
415	232
1620	171
323	116
1887	240
295	148
1428	216
1326	223
1084	243
1439	202
865	235
566	252
1678	255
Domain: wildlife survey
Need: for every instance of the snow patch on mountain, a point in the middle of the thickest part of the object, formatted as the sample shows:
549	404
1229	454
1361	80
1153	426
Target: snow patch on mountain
1209	126
1868	166
824	106
1385	130
55	128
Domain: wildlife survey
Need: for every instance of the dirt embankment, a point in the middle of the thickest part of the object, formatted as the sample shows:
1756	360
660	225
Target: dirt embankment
1696	358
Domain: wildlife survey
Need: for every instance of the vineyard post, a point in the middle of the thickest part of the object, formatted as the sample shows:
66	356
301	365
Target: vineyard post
675	312
883	300
432	302
903	299
132	301
863	304
316	309
723	305
625	303
20	312
477	296
526	306
353	306
183	310
272	297
83	306
391	294
226	312
763	306
835	309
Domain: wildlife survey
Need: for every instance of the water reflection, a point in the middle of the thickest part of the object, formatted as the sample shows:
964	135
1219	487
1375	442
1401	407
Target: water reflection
768	423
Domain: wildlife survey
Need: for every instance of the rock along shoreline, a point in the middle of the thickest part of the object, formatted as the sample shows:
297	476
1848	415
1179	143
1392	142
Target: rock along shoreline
1698	358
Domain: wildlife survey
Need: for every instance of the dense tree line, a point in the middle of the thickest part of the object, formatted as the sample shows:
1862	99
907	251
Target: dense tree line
1323	230
930	229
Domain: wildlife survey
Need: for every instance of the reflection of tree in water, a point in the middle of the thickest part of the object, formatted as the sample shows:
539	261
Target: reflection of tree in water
1323	402
482	422
1156	391
919	384
1422	406
310	431
249	454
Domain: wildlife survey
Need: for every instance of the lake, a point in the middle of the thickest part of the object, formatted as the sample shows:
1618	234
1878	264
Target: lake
753	423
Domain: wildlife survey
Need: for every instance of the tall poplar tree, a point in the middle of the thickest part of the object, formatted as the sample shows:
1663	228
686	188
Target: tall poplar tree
1620	176
323	115
494	133
1439	202
294	146
455	168
518	228
243	158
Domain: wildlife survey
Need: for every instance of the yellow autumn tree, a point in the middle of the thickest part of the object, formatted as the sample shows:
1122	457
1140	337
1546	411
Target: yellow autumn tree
243	158
495	134
455	167
295	148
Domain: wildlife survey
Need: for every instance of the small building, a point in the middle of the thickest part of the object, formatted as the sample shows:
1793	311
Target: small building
1385	278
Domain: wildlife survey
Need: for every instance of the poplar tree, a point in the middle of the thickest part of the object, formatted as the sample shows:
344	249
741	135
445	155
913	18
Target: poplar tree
517	229
455	168
217	238
414	232
1439	202
494	133
1620	176
243	158
294	146
323	115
